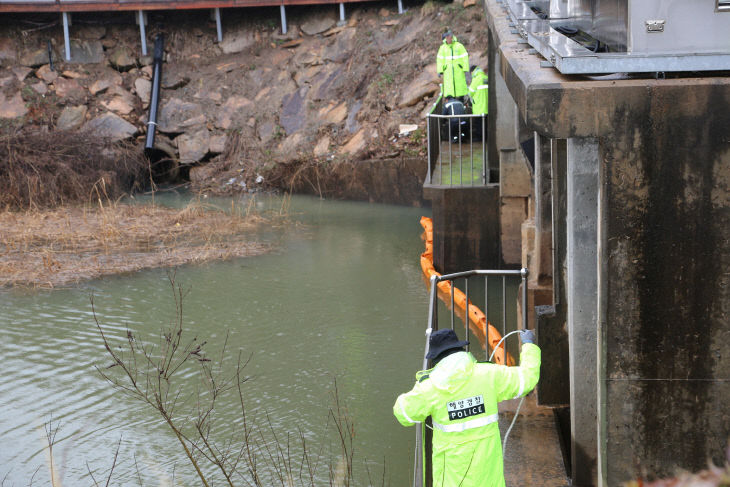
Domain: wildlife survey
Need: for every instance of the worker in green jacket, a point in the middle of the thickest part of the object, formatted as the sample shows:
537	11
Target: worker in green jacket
479	94
452	61
478	90
461	396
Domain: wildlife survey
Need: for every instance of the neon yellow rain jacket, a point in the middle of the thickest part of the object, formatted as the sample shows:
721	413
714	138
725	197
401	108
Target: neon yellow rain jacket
478	91
461	396
452	60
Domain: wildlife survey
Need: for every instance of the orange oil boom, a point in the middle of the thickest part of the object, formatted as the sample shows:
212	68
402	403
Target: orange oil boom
477	321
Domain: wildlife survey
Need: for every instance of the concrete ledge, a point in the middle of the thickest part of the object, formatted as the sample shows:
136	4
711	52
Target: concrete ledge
532	455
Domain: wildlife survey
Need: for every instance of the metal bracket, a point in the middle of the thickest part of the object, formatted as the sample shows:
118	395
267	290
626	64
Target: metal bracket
655	26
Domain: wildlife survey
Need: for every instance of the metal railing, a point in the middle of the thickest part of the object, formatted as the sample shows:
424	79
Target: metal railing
422	468
457	148
120	5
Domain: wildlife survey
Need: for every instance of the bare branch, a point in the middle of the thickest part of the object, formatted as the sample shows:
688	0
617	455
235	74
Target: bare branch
305	459
114	463
157	372
5	477
155	395
217	460
30	484
88	469
136	468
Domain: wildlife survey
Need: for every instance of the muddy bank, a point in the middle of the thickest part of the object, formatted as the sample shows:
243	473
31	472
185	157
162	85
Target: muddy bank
394	181
59	247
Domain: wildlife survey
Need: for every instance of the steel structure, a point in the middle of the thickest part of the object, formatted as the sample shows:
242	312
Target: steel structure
625	36
126	5
67	7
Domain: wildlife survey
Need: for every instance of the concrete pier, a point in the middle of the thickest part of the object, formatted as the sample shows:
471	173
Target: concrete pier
639	208
582	307
615	192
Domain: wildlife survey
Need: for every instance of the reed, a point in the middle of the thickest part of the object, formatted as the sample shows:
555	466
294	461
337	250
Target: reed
53	247
48	169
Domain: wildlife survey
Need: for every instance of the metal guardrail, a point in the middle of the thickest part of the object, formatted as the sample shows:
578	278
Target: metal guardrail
67	7
457	148
422	468
114	5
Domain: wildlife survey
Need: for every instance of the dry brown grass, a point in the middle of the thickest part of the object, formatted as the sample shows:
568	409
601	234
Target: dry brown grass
48	248
45	170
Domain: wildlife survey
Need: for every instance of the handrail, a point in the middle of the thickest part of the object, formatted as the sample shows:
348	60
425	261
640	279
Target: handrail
483	272
422	467
121	5
463	115
504	273
462	131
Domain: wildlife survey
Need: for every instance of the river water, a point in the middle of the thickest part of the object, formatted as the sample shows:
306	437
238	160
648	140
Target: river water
340	300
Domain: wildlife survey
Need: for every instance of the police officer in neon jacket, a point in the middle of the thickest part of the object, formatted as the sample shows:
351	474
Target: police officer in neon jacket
478	91
452	61
461	396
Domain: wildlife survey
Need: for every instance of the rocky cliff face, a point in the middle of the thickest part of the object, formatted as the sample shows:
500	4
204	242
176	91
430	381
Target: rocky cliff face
319	109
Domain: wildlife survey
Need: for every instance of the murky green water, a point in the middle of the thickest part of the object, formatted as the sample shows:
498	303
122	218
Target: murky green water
340	299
